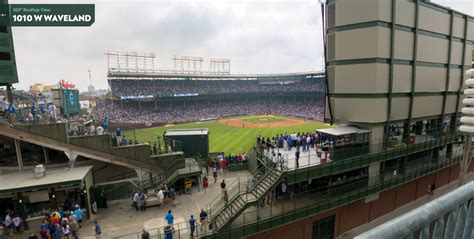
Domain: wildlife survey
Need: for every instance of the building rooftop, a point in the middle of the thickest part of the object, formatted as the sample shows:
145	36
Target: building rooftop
343	130
21	182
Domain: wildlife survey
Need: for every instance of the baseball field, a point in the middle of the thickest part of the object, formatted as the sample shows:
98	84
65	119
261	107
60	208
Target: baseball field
237	134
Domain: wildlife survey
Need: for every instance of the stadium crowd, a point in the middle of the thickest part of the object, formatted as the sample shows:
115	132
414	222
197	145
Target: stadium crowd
150	87
124	112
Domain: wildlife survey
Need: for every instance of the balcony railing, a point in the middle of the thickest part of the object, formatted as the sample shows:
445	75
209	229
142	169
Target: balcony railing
450	216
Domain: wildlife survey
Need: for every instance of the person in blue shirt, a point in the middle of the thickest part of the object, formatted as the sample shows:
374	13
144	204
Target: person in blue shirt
118	135
52	228
33	111
192	225
105	124
79	214
58	232
169	218
61	211
42	109
11	110
98	230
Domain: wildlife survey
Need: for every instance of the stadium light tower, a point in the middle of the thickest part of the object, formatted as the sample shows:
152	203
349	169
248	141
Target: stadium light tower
188	64
468	125
219	66
130	60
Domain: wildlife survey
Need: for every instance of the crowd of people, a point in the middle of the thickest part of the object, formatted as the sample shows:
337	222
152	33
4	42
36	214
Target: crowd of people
64	222
149	113
160	87
43	113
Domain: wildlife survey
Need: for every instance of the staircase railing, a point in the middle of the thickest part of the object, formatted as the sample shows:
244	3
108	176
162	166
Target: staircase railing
241	194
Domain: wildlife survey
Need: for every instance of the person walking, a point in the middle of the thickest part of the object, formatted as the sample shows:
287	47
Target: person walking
74	227
214	173
141	200
66	230
135	198
98	230
192	225
161	197
226	196
223	185
203	219
173	197
79	215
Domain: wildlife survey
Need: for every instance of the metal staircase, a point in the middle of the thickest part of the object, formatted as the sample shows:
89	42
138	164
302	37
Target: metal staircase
243	194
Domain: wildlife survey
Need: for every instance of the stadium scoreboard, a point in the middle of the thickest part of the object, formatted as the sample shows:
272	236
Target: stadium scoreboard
67	100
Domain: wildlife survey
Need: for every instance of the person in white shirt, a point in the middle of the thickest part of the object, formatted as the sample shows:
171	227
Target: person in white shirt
92	128
274	160
17	222
135	200
100	130
8	223
52	111
161	196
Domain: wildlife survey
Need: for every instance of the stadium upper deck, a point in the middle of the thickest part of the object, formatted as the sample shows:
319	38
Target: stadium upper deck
170	74
147	85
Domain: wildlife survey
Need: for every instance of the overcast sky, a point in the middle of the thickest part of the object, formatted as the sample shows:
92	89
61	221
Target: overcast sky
258	36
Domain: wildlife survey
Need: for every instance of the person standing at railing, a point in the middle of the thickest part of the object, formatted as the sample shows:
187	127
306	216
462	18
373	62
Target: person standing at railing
297	157
118	136
274	160
145	234
203	219
192	225
170	219
280	161
33	112
11	113
52	112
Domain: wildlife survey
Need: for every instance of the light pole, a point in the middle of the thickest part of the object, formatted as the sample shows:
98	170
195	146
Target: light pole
468	126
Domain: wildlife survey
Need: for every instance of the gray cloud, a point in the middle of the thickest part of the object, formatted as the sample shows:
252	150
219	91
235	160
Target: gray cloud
258	37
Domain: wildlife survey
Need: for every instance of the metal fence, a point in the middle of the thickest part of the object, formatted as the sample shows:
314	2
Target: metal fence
449	216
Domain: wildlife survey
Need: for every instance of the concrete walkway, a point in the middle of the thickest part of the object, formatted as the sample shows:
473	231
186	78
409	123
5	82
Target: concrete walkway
120	219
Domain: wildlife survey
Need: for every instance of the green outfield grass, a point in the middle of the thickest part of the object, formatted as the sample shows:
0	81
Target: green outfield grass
227	139
262	119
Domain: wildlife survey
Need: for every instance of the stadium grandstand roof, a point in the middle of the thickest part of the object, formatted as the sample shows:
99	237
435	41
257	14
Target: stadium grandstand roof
172	74
343	130
177	132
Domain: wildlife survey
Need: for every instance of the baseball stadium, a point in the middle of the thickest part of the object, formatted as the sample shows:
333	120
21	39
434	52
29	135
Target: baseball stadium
236	108
376	145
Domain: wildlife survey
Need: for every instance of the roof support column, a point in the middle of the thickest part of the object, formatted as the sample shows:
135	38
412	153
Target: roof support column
46	155
18	155
413	73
